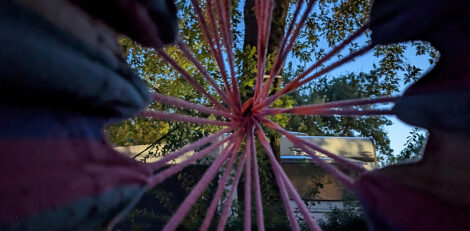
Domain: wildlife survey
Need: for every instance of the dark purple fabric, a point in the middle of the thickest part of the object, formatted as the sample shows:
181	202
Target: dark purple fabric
50	158
147	21
392	206
440	98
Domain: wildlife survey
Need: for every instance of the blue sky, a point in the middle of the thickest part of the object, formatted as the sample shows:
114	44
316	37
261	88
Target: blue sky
399	130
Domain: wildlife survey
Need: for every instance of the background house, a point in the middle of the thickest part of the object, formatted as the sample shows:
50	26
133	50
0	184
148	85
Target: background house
312	182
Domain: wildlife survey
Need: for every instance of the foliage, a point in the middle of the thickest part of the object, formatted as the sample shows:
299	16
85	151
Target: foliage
414	146
349	218
349	86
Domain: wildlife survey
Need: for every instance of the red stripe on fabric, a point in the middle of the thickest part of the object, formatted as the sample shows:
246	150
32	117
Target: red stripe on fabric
43	174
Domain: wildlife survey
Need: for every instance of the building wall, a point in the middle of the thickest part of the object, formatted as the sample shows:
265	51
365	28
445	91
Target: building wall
305	176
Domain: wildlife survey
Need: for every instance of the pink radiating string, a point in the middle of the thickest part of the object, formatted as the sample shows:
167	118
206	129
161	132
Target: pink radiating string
217	45
189	54
224	22
200	143
264	27
247	217
284	50
311	109
343	178
189	78
339	159
285	182
291	86
169	100
201	186
281	186
160	115
213	44
165	174
287	35
218	194
258	199
335	65
285	200
297	83
228	201
345	112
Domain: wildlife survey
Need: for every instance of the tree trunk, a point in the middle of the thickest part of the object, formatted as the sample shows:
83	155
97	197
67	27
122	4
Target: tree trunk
278	25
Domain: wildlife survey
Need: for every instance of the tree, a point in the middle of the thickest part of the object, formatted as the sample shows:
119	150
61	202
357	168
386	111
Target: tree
331	22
